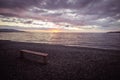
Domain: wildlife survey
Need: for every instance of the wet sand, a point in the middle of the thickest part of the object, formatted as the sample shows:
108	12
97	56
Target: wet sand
65	63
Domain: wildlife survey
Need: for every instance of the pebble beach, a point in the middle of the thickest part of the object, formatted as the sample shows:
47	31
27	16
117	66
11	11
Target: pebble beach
64	62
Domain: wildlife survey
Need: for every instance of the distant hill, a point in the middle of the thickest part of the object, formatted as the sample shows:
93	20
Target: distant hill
114	32
10	30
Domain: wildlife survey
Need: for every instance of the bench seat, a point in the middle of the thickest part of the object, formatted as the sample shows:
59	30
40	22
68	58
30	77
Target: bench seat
44	55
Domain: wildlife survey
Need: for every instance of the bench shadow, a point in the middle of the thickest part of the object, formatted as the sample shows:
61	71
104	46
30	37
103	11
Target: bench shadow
31	61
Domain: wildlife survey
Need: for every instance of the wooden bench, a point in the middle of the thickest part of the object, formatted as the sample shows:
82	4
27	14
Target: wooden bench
44	55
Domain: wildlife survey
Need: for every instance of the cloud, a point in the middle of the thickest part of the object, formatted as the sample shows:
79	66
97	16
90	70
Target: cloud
16	3
85	13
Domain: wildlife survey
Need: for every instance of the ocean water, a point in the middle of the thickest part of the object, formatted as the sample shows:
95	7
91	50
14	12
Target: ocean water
93	40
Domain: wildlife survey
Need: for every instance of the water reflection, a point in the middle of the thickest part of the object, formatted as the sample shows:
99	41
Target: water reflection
97	40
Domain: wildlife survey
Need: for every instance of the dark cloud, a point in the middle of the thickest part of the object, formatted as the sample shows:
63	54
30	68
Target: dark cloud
16	3
72	4
101	7
8	14
39	11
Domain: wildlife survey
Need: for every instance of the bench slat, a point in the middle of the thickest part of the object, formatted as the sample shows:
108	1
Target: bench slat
44	55
33	52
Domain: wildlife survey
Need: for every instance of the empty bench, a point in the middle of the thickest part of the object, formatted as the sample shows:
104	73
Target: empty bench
44	55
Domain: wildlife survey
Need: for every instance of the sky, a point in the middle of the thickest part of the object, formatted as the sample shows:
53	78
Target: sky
61	15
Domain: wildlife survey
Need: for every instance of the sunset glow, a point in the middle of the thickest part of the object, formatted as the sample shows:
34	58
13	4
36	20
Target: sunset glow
55	30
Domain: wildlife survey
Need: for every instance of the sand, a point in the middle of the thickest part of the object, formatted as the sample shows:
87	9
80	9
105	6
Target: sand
65	63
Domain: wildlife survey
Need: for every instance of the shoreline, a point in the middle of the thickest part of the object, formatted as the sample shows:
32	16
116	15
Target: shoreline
92	47
60	45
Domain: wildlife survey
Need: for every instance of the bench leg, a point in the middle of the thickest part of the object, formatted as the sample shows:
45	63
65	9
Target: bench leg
45	60
21	55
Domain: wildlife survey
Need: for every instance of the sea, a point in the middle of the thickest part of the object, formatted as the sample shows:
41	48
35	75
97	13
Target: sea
91	40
